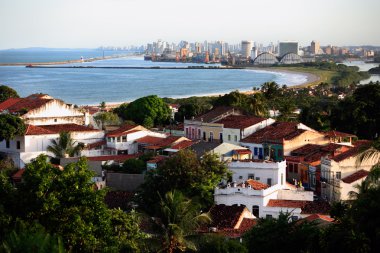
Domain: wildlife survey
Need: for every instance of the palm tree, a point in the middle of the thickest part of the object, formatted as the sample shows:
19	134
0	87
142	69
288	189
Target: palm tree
257	105
179	217
64	146
371	153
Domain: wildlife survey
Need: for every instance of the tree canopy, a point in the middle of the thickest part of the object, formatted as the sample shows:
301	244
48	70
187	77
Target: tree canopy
66	204
10	126
7	92
147	111
106	118
64	145
194	177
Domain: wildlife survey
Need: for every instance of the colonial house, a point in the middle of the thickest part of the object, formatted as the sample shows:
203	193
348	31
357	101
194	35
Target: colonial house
303	164
339	172
237	127
41	109
205	128
280	138
255	184
37	138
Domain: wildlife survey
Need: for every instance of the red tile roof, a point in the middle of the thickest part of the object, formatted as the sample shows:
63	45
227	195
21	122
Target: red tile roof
8	103
182	145
307	207
149	140
334	133
95	144
18	175
315	217
355	176
225	217
217	113
18	105
157	159
121	131
306	149
242	151
247	224
275	133
56	129
118	158
256	185
239	121
286	203
359	147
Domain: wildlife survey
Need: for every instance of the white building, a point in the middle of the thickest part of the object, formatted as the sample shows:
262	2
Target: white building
37	138
237	127
341	172
246	47
257	184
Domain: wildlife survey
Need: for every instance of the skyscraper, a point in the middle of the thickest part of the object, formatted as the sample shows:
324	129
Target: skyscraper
246	47
315	47
288	47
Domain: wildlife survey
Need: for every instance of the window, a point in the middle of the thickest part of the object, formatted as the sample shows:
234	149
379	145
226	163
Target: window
290	167
7	144
211	136
199	134
229	137
18	144
124	138
240	177
55	120
255	211
221	137
269	181
268	216
204	136
257	178
251	176
295	168
260	153
338	175
255	151
235	138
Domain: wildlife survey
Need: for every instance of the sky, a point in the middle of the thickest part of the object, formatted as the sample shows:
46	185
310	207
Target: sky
94	23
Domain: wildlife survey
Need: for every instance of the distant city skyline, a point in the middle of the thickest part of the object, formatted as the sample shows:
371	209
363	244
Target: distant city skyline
94	23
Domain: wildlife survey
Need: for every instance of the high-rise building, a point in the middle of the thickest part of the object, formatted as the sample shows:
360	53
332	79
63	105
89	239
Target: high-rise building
314	47
246	47
254	53
288	47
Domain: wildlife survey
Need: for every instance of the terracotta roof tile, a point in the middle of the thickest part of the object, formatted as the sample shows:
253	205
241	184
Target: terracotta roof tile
122	130
286	203
334	133
275	133
225	217
315	217
149	140
96	144
217	113
242	151
256	185
306	149
56	129
355	176
247	224
182	145
20	104
118	158
239	121
359	147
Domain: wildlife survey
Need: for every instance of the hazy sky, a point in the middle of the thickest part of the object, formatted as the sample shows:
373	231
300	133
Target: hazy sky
93	23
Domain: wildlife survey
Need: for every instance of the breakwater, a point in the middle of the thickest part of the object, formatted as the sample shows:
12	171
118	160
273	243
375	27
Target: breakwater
130	67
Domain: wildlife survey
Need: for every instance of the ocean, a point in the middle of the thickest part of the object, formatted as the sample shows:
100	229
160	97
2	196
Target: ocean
92	86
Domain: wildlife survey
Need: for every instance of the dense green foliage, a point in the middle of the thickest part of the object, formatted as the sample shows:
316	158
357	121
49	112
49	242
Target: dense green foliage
7	92
282	235
106	118
179	218
213	243
134	166
10	126
65	203
148	111
194	177
359	114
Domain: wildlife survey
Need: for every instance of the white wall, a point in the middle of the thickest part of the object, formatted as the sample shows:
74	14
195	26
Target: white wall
263	170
